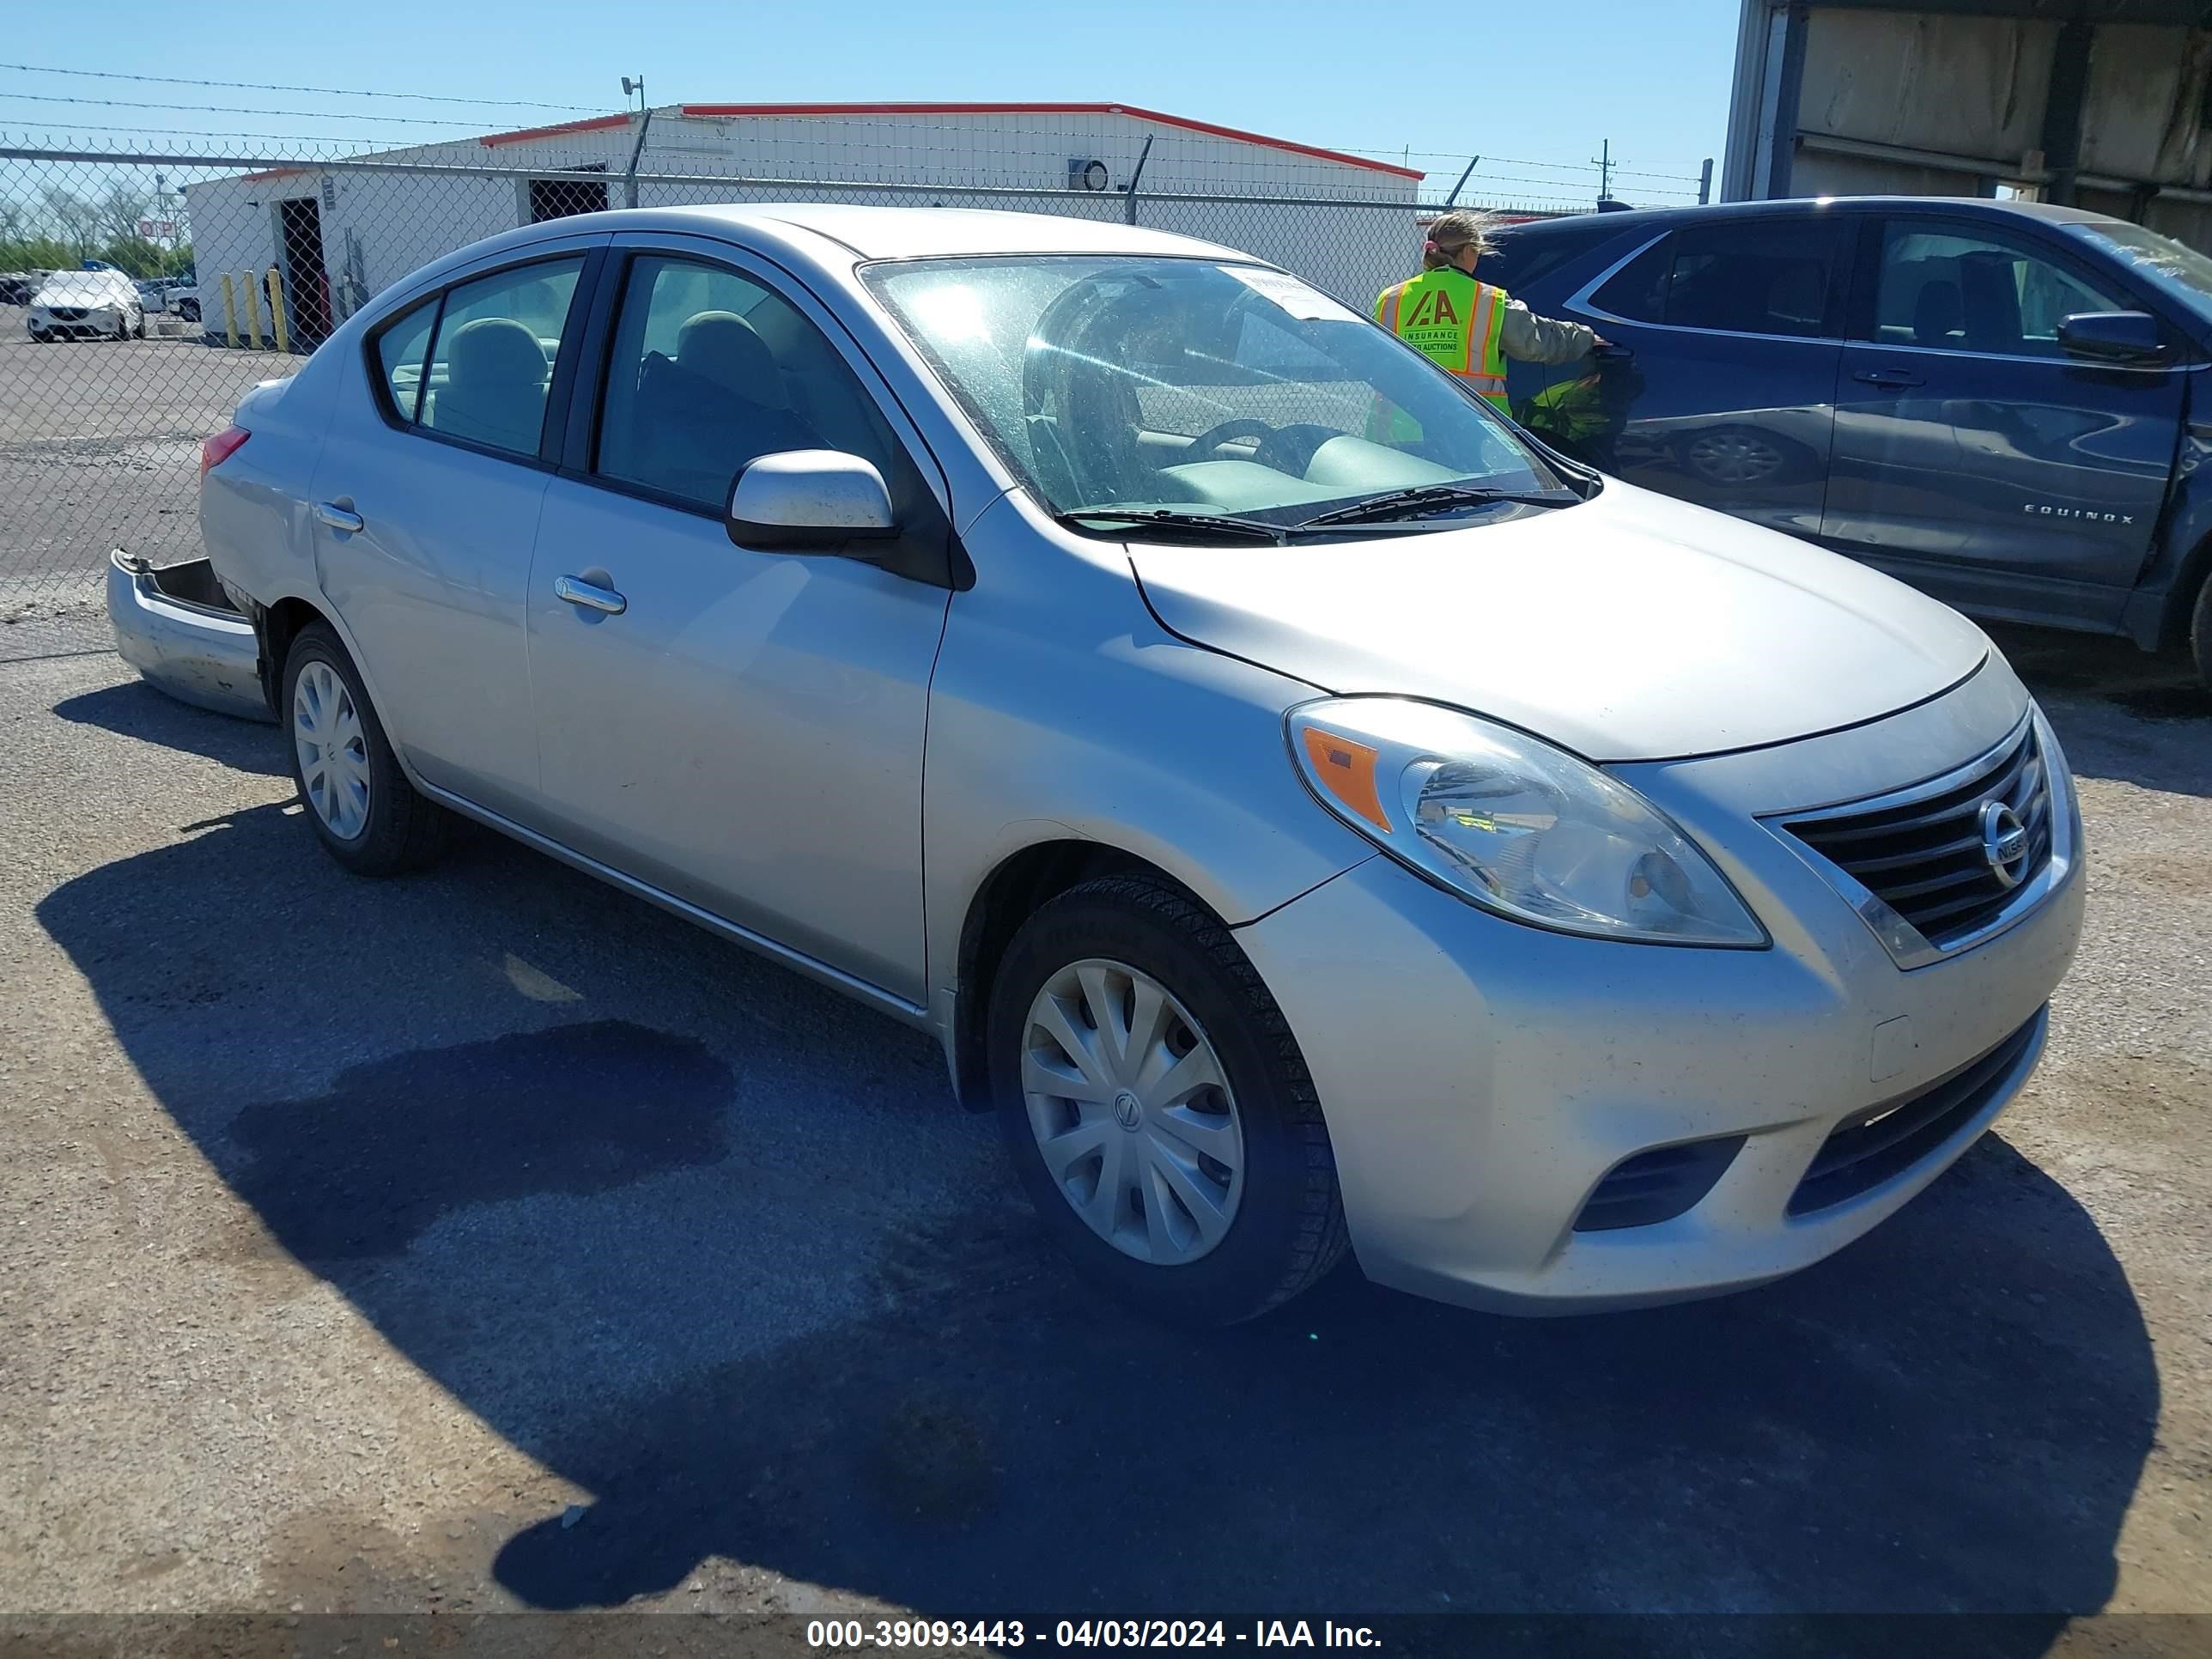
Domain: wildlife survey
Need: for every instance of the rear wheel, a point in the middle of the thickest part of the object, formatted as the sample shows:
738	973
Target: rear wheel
1156	1108
365	812
190	311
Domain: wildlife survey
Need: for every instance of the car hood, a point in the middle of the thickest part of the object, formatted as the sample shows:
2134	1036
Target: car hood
1632	626
73	296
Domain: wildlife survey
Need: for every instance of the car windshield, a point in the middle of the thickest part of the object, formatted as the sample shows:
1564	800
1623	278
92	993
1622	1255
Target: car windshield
75	288
1181	387
2182	271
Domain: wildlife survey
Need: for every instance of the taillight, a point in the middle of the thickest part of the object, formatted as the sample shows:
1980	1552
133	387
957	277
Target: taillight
214	450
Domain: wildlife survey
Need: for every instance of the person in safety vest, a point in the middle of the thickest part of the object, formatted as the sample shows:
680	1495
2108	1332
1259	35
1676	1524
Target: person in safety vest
1469	328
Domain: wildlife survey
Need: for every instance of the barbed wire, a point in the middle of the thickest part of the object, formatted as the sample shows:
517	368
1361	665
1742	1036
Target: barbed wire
330	92
237	109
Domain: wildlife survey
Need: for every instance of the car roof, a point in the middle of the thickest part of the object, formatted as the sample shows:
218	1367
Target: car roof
1656	218
907	233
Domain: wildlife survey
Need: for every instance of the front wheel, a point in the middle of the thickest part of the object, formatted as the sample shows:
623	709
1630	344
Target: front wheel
364	811
2200	633
1156	1108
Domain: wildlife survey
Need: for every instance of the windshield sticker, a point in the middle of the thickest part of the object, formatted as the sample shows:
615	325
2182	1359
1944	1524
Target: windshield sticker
1306	304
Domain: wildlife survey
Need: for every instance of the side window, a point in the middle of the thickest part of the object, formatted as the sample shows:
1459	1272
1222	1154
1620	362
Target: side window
711	370
400	349
1961	289
493	358
1750	277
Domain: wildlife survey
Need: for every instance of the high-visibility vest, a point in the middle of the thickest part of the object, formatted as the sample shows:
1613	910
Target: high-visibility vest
1455	322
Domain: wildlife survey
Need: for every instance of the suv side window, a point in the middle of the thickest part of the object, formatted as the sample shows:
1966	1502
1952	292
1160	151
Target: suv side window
491	357
1748	277
711	370
1959	287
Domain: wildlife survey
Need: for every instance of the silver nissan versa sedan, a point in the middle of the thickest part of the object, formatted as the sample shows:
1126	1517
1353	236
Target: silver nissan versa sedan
1309	813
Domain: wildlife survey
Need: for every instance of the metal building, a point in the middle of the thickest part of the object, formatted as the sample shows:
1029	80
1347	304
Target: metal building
339	233
2104	104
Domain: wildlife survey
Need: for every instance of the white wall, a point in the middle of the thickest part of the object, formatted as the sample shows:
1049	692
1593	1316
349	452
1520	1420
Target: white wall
378	226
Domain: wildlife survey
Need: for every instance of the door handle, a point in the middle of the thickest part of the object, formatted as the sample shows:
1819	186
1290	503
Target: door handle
1892	379
338	517
587	596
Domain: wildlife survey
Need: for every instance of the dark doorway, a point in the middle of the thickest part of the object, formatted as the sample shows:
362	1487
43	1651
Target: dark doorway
307	286
561	198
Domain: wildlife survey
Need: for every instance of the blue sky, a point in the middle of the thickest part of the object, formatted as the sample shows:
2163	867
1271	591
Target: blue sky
1534	88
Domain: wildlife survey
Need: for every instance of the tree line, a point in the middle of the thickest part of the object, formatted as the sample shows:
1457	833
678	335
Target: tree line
60	230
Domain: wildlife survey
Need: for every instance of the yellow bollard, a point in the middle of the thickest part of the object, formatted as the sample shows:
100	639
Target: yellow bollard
229	312
252	312
277	312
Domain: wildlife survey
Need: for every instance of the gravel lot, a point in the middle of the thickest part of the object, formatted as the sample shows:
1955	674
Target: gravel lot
99	445
355	1232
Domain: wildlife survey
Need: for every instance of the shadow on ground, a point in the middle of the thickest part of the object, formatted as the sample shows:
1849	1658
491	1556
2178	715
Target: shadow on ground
1952	1414
2120	712
134	709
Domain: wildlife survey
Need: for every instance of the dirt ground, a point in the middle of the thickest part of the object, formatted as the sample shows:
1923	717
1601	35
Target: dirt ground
490	1241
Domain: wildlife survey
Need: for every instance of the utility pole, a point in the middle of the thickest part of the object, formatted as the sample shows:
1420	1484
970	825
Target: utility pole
1705	183
1603	160
636	85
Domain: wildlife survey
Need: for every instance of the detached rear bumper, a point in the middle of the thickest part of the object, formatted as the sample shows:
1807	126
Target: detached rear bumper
171	626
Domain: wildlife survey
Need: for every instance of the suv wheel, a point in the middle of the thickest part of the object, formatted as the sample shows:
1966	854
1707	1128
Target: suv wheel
2200	633
1156	1108
365	812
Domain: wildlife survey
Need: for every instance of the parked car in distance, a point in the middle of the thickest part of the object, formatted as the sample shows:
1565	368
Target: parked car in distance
16	287
171	295
2000	402
86	304
1565	896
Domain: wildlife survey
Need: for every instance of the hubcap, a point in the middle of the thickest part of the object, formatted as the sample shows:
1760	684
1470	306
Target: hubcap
1734	457
1133	1112
333	750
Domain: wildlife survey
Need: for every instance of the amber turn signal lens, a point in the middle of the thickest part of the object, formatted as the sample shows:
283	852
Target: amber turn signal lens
1347	770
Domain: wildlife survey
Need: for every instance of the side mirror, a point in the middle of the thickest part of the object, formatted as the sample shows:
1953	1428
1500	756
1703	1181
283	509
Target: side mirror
2112	337
806	499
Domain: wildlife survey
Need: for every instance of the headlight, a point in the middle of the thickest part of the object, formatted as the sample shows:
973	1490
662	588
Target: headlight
1515	825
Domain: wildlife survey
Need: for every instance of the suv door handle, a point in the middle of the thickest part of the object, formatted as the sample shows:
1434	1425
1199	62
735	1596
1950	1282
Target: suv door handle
338	516
1892	379
588	596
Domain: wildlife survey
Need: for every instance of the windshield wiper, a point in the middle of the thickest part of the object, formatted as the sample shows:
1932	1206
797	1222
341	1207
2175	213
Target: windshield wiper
1424	499
1167	518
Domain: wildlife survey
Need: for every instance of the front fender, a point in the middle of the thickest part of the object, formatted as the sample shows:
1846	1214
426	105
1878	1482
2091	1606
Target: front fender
1061	710
2157	610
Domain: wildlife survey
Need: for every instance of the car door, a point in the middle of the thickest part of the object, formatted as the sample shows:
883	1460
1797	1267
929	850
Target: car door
740	728
426	500
1972	455
1725	337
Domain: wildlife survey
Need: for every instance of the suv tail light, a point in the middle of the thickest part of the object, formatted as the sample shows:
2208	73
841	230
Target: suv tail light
214	450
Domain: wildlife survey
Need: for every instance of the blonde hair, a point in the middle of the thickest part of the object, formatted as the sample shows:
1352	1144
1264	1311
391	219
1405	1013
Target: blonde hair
1452	235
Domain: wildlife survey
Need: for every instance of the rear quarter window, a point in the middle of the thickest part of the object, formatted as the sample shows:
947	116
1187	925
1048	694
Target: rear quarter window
1525	257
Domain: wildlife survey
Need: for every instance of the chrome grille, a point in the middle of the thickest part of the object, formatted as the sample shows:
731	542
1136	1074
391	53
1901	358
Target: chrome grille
1926	856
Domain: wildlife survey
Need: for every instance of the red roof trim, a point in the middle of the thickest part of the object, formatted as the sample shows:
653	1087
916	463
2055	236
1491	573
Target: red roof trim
596	124
716	110
273	172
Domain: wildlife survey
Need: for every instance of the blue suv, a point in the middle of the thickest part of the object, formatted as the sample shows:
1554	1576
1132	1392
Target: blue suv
2002	403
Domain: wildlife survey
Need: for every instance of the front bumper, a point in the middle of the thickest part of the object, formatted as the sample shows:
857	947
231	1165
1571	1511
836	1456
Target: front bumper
171	625
1482	1080
91	325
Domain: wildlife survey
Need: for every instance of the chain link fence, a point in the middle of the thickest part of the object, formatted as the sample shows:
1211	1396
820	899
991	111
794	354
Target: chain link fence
227	270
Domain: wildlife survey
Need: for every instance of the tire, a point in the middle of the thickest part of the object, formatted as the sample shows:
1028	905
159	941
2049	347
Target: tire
1284	1225
362	807
189	310
42	337
2200	633
139	332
